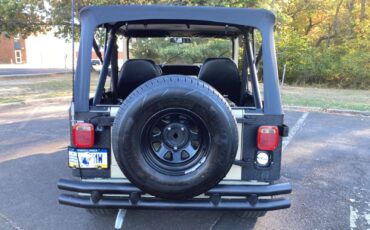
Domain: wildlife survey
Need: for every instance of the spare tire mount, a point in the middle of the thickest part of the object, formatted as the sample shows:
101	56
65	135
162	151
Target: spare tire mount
175	140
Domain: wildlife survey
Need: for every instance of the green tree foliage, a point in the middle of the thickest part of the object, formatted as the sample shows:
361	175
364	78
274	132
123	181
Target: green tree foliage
22	17
163	51
325	42
61	9
321	42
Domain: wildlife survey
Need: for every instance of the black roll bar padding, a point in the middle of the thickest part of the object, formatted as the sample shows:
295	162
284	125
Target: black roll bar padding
106	39
127	47
258	58
253	43
114	68
233	48
104	71
97	51
244	77
253	72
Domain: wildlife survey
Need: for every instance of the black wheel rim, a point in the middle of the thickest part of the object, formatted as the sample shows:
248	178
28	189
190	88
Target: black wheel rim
175	140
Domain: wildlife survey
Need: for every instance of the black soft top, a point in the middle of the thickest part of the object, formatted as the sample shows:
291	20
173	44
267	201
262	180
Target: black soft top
135	20
237	17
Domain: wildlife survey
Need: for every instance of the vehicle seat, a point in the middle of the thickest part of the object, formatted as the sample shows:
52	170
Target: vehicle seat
223	75
135	72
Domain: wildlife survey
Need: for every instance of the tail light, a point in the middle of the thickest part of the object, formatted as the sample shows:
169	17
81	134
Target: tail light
83	135
267	137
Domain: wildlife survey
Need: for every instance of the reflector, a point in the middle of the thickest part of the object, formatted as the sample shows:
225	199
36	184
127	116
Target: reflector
83	135
262	158
267	137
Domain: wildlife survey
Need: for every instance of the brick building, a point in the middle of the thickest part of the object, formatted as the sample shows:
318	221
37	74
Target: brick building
43	50
12	50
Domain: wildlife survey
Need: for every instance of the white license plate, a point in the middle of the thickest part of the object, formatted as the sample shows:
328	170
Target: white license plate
88	158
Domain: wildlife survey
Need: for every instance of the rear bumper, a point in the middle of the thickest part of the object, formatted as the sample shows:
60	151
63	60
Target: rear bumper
127	196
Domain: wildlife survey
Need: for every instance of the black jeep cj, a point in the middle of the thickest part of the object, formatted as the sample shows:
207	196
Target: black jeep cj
169	134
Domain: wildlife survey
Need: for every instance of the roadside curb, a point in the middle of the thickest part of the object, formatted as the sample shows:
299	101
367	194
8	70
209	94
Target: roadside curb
47	100
285	107
33	74
326	110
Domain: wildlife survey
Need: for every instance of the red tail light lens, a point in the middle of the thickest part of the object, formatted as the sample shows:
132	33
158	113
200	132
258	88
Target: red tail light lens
83	135
267	137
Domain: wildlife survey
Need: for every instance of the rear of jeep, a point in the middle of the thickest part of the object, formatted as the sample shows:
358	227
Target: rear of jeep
175	135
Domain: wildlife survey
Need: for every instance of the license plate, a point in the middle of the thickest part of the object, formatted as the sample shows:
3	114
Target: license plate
88	158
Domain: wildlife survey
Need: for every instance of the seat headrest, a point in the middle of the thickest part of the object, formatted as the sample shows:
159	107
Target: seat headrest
135	72
223	75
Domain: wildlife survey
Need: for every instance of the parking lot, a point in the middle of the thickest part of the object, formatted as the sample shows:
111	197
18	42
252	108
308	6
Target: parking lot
326	159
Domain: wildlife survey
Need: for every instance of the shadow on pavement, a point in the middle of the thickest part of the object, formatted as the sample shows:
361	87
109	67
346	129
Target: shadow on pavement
29	200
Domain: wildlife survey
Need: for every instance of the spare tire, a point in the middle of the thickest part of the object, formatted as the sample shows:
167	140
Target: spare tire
175	137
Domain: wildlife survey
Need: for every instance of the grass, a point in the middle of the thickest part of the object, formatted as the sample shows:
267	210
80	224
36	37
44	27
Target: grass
326	98
20	89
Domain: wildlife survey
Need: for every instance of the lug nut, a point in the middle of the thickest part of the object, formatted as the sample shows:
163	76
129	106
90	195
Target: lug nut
175	148
169	128
182	129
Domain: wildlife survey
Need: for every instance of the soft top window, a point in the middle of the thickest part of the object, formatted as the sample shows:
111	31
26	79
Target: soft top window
175	50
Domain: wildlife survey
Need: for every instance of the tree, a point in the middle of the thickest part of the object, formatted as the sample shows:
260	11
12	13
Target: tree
61	9
322	42
22	17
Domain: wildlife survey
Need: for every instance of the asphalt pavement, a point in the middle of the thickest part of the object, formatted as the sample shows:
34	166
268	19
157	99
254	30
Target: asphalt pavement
326	159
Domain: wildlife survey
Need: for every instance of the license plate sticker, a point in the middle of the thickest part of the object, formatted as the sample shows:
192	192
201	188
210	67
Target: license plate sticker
88	158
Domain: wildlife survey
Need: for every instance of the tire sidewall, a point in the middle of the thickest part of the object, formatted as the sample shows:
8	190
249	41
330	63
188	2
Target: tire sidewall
152	98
